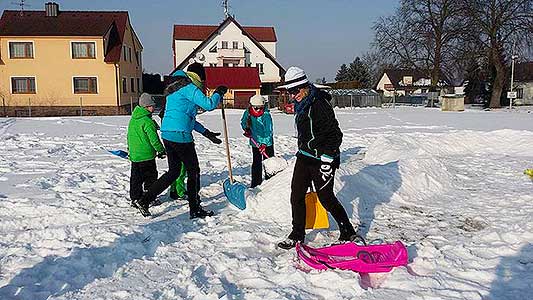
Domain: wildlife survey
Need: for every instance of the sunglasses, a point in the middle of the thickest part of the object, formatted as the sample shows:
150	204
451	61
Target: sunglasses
257	107
294	90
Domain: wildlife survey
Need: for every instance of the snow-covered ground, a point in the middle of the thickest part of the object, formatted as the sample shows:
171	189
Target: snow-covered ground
449	185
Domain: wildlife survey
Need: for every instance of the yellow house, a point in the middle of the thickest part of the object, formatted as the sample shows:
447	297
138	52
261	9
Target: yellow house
56	62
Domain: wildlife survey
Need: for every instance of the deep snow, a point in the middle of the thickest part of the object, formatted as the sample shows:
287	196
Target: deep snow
449	185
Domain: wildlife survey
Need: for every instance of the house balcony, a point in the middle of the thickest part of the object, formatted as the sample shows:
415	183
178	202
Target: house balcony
231	53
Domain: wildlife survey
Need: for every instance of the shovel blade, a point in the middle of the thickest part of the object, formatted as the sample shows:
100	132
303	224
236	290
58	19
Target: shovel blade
235	193
119	153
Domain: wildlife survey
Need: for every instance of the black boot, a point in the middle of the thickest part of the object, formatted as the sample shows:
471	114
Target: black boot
201	213
287	244
174	196
142	207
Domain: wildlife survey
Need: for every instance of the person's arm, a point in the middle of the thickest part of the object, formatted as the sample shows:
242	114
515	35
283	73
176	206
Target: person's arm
198	127
199	98
325	129
212	136
244	120
153	137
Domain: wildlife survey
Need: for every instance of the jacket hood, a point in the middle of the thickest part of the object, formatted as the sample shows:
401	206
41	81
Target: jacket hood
140	112
179	73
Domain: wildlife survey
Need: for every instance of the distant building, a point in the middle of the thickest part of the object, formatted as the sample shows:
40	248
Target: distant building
405	82
523	83
68	62
229	45
242	83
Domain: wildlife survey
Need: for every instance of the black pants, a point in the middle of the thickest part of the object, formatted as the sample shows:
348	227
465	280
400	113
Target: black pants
307	170
143	175
178	153
257	166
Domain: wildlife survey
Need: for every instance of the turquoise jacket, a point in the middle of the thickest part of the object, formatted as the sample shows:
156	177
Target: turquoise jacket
183	100
261	127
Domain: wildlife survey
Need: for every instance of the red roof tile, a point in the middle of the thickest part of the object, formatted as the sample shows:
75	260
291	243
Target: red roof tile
201	32
232	77
67	23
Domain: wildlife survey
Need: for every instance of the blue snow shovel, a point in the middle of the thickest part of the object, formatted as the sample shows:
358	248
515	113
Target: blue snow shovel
119	153
233	190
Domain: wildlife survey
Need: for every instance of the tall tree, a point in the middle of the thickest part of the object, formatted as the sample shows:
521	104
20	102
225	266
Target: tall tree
342	73
497	25
359	72
420	34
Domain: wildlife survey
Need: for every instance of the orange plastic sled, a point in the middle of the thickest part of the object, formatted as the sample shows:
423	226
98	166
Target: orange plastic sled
316	216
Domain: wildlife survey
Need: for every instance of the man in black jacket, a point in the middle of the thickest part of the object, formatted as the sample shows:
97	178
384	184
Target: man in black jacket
318	157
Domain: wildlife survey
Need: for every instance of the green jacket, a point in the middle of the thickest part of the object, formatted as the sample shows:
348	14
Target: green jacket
143	141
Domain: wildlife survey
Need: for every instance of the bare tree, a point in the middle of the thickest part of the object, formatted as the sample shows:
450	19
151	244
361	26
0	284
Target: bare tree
497	25
421	34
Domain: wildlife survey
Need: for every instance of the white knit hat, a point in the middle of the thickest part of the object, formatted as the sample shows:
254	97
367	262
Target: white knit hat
294	77
257	100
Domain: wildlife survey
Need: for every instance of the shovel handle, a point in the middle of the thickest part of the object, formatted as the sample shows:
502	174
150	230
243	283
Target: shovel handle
226	142
257	145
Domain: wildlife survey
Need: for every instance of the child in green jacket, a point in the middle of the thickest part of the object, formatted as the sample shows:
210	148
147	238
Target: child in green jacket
143	146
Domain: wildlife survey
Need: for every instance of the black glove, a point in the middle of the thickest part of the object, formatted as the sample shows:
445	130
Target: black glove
162	155
221	90
212	136
326	168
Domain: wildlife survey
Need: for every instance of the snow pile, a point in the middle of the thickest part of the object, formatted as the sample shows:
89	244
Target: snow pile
274	165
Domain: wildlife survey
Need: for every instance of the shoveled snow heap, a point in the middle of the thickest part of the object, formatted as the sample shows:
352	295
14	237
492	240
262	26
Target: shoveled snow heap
449	185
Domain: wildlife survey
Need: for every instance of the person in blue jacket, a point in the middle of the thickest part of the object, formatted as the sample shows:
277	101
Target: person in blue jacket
256	122
184	97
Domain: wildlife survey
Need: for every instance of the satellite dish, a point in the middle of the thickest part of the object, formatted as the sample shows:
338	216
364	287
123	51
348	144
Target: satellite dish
199	57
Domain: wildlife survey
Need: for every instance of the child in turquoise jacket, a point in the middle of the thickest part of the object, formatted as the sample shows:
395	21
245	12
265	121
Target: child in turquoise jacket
257	124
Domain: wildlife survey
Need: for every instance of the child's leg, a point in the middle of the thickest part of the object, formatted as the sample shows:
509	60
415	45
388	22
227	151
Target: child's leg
257	168
149	173
136	182
180	182
270	153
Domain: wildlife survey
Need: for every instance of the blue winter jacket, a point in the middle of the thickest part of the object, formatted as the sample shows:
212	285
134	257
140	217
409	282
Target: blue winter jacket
261	127
183	100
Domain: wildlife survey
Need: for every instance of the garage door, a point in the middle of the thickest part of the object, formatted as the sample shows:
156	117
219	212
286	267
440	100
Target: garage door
242	99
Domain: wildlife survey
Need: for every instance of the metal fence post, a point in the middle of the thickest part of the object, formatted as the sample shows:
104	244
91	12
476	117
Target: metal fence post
29	107
81	106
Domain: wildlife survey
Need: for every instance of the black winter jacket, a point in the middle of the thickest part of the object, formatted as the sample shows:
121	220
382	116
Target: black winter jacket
318	129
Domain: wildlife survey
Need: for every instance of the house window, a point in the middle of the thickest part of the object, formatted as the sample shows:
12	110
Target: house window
249	64
213	49
23	85
235	45
212	64
520	93
83	50
125	50
225	64
129	54
20	49
139	89
124	85
85	85
224	44
261	68
132	82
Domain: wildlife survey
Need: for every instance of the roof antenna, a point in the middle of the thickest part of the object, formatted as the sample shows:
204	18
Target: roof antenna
21	4
226	8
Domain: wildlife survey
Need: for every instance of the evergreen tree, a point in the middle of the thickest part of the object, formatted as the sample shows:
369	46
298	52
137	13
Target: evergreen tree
342	73
358	71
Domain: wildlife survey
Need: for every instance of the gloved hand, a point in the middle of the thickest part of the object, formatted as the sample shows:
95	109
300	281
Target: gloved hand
247	133
162	155
326	168
221	90
212	136
262	148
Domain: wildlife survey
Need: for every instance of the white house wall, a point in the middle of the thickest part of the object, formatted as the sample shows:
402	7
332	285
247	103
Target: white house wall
381	85
231	33
270	47
182	49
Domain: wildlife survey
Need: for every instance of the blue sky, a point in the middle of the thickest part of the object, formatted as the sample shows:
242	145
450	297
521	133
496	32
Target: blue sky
316	35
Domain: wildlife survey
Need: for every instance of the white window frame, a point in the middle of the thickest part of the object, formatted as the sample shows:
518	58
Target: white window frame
139	85
22	76
20	41
132	87
85	76
233	44
224	43
95	49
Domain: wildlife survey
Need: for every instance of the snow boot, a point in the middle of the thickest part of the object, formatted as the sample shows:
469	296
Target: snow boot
143	208
201	213
287	244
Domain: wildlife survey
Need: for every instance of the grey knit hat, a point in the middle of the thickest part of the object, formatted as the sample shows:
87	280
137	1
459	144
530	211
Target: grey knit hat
146	100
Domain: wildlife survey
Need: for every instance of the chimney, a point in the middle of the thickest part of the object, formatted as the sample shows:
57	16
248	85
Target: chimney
52	9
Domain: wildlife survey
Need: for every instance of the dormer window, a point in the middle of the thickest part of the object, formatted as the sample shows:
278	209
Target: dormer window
408	80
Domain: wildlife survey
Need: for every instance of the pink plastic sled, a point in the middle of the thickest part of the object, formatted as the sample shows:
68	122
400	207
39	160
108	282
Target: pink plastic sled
350	256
